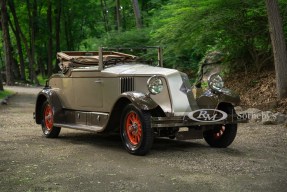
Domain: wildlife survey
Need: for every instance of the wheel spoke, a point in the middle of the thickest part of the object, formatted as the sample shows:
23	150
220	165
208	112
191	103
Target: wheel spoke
133	128
48	117
218	133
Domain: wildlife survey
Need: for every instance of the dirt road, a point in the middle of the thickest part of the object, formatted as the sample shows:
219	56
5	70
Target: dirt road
84	161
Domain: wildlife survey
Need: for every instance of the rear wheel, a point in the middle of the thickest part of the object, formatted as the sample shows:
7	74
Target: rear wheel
48	128
221	136
136	131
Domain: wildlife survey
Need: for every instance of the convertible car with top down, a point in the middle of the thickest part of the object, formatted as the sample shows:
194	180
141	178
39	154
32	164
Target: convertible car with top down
108	91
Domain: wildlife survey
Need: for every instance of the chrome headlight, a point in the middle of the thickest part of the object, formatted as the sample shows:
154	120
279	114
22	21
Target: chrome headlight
215	82
154	85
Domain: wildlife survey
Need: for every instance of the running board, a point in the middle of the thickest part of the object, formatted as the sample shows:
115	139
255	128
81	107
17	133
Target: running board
80	127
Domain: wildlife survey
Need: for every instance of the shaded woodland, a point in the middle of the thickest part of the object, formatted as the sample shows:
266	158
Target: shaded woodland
246	32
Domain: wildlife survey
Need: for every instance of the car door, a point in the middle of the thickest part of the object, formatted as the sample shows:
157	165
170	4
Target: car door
88	92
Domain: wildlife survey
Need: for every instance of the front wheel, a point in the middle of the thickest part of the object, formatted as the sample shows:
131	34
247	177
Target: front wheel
221	136
136	131
48	128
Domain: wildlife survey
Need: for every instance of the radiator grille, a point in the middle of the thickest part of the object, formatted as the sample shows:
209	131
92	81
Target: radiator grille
127	84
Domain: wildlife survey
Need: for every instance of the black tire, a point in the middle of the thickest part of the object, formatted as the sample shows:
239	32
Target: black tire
49	130
171	137
136	131
221	136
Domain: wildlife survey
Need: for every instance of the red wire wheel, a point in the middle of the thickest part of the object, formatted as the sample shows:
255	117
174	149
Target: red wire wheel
221	136
220	132
48	128
136	131
48	117
133	128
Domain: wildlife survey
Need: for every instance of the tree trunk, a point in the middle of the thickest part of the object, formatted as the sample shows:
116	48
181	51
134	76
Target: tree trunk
67	28
28	50
105	16
31	67
31	49
58	29
279	47
68	20
18	39
33	36
1	83
1	77
15	66
118	14
137	13
6	44
50	42
1	80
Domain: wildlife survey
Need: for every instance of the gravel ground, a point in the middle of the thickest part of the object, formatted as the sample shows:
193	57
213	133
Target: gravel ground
84	161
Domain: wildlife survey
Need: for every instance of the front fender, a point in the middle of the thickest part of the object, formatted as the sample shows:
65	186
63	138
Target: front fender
228	96
52	97
140	100
210	99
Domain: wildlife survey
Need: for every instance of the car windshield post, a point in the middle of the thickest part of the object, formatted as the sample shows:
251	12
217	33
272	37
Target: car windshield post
160	61
101	63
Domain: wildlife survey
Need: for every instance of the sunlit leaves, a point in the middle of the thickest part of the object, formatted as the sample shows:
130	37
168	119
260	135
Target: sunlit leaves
190	28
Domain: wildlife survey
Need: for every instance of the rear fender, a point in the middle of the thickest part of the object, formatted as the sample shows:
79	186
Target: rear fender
54	100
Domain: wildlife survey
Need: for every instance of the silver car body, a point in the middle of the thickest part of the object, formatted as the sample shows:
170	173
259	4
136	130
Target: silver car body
91	97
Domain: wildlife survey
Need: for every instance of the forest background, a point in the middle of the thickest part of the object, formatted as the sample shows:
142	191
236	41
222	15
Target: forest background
33	31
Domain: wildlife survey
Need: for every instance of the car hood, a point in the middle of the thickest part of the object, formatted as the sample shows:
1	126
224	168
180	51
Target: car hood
138	69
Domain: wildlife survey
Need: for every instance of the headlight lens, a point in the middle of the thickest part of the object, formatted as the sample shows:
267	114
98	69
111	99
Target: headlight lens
215	82
155	85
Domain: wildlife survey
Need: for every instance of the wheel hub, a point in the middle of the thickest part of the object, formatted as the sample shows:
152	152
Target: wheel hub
48	117
133	128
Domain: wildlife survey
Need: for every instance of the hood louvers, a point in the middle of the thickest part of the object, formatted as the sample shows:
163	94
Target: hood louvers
127	84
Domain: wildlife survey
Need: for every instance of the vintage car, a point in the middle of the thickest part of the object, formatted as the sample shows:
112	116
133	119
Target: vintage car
110	91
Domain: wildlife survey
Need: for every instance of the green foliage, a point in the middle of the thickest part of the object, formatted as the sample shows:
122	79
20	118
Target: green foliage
189	29
186	29
133	38
42	80
5	93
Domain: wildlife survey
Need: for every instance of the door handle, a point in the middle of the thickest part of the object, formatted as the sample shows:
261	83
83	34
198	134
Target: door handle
98	81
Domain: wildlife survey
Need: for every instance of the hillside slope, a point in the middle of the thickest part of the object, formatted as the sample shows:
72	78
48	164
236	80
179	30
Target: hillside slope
257	90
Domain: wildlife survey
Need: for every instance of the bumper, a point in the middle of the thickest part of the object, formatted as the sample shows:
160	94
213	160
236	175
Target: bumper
185	121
